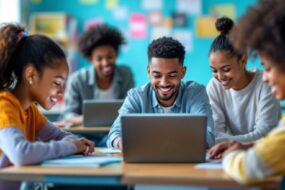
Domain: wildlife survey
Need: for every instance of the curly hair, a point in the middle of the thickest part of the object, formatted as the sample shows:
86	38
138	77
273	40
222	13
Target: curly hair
17	50
222	42
99	35
166	47
262	29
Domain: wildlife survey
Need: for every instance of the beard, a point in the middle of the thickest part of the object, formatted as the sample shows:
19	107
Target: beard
165	97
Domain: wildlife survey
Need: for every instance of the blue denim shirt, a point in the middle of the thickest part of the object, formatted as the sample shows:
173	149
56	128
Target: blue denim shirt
192	98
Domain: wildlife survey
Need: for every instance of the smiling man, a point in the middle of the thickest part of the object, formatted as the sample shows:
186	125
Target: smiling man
165	93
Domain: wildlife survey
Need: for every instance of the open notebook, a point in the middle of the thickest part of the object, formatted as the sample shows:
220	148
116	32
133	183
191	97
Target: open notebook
82	161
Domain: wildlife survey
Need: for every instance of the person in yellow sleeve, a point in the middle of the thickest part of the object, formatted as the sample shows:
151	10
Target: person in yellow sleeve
260	30
33	70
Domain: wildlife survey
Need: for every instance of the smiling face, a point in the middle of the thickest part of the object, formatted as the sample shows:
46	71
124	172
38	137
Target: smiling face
104	58
165	77
228	69
274	76
48	87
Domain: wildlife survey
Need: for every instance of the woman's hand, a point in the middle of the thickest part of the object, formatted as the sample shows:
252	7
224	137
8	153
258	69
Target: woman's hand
84	146
75	120
218	150
237	146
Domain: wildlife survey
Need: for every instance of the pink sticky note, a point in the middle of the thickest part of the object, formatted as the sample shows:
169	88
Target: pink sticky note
138	26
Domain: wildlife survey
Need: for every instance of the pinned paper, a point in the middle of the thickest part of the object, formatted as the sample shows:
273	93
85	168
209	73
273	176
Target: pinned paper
92	22
88	2
138	26
228	10
168	22
205	27
152	5
179	19
185	37
160	31
191	7
121	13
111	4
155	18
37	1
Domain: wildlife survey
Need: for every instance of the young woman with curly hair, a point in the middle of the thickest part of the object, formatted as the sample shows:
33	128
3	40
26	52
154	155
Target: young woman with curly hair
261	30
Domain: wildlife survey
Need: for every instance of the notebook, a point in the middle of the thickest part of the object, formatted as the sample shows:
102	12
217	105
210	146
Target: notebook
81	161
100	112
169	138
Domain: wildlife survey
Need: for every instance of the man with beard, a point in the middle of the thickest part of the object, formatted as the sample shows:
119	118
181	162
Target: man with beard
165	93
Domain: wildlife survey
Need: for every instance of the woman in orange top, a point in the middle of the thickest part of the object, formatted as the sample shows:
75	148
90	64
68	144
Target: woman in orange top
33	69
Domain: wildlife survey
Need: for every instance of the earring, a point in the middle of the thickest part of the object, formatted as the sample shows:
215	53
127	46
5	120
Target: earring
30	82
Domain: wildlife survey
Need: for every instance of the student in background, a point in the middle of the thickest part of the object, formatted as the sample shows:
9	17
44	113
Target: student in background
260	30
104	79
165	93
244	108
33	70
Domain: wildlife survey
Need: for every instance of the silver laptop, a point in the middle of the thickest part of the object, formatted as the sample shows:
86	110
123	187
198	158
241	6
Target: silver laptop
100	112
153	138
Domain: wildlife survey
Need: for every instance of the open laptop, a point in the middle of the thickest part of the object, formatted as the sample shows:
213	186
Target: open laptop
100	112
153	138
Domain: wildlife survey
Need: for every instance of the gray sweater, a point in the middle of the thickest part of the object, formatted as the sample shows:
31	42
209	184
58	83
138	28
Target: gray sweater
245	115
82	85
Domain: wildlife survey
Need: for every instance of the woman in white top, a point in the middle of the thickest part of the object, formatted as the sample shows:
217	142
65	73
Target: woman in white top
244	108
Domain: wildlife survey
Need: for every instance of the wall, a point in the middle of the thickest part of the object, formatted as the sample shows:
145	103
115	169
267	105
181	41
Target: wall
135	53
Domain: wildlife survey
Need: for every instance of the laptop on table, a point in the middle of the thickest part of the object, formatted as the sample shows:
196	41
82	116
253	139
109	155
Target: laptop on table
100	112
164	138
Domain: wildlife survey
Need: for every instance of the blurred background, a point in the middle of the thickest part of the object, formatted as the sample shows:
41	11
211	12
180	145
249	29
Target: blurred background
141	21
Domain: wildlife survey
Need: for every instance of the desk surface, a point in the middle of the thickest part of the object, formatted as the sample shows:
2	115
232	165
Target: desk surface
182	174
81	129
175	174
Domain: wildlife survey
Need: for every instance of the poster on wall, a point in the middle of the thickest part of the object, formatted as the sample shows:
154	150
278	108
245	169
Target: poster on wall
138	26
190	7
92	22
155	18
228	10
179	19
185	37
159	31
88	2
121	13
36	1
205	27
152	5
111	4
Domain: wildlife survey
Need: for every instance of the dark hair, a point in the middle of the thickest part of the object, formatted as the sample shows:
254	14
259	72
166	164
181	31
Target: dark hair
222	42
262	29
17	50
166	47
99	35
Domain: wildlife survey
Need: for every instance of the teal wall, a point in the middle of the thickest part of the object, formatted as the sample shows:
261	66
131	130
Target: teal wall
135	54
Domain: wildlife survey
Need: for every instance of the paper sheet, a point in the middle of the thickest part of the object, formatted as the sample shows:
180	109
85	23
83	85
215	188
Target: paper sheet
82	161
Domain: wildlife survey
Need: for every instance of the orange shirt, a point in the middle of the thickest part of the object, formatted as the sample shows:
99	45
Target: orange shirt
13	114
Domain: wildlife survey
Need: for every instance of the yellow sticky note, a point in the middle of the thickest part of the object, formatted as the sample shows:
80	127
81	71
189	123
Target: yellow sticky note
36	1
111	4
227	10
205	26
88	1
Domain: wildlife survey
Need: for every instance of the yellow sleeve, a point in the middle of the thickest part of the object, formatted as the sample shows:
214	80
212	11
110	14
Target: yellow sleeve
265	159
9	113
272	150
39	119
